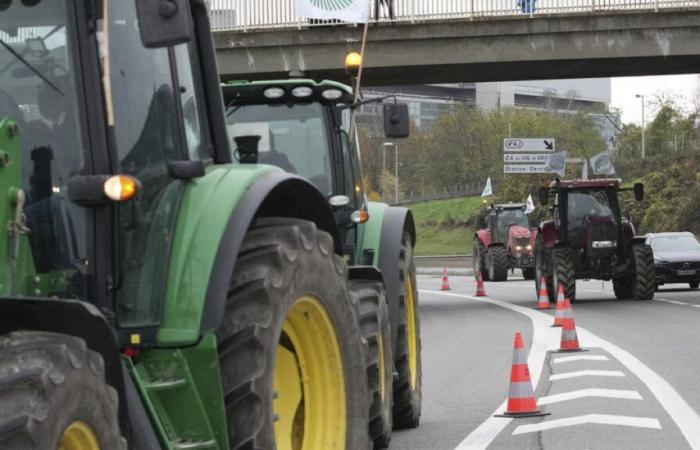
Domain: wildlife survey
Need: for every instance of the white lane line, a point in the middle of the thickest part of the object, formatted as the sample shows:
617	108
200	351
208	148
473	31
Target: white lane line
601	419
585	393
685	417
586	373
675	302
566	359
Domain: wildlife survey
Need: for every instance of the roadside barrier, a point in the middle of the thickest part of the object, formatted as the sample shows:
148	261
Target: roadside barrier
480	290
521	397
445	282
543	297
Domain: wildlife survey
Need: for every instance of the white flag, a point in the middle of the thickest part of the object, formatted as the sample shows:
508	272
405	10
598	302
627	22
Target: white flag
602	164
556	163
354	11
530	205
487	189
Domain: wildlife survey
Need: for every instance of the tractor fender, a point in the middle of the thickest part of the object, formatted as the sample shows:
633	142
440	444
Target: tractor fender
549	233
365	273
276	194
396	221
484	236
74	318
496	244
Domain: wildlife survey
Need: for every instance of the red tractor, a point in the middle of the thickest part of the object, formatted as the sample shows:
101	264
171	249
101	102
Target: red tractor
504	244
587	238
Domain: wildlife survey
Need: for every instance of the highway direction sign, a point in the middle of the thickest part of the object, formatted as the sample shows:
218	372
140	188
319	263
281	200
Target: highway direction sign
540	145
540	158
525	168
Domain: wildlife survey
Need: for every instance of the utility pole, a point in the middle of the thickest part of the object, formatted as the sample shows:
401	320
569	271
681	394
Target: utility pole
641	96
386	144
396	173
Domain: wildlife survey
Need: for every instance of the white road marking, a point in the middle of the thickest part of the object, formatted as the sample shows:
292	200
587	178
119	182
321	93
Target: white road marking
584	393
675	302
566	359
586	373
601	419
685	417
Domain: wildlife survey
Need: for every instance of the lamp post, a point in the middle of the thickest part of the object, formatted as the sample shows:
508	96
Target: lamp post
641	96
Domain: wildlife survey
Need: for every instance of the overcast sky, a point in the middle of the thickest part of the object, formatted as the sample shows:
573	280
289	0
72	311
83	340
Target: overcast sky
682	87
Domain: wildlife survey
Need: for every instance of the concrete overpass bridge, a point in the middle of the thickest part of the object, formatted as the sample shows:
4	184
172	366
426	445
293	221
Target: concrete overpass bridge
446	41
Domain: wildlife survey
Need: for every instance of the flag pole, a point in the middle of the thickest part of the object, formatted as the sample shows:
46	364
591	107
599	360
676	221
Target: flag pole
358	82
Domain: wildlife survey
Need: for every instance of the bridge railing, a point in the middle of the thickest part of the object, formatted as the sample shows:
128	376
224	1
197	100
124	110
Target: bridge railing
247	15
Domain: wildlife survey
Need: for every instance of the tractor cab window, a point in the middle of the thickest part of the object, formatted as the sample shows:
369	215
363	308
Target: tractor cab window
293	138
38	91
508	217
589	207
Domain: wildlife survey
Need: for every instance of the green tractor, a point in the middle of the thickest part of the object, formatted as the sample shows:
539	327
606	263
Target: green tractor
155	293
306	128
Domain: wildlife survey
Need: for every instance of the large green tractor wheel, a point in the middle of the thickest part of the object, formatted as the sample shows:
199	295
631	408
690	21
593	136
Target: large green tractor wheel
497	263
642	283
479	260
53	395
376	330
407	356
291	352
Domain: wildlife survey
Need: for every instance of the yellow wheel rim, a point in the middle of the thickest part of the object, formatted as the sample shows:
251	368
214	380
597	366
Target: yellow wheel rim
382	366
411	332
309	383
79	436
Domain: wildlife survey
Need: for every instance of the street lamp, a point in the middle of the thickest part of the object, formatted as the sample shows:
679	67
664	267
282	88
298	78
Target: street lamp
396	169
641	96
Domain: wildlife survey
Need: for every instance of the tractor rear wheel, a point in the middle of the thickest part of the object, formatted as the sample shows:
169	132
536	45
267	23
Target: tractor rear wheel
407	355
376	330
53	394
497	263
641	284
290	347
479	260
540	254
528	273
564	274
694	284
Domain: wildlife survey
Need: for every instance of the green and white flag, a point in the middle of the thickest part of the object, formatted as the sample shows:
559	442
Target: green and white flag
354	11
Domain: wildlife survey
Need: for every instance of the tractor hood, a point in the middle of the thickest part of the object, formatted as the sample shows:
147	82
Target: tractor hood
518	231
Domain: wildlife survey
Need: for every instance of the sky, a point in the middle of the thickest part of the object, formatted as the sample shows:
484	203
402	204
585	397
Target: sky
681	87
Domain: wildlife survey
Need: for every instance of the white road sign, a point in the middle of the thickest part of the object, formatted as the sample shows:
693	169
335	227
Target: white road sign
525	168
518	145
540	158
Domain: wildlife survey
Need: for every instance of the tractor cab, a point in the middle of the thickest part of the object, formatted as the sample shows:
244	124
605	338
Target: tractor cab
506	220
304	127
587	238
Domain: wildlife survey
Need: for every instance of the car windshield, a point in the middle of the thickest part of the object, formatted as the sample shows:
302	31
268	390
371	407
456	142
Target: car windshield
292	137
674	243
508	217
38	92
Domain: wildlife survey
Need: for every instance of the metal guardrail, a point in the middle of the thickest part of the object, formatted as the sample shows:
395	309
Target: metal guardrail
247	15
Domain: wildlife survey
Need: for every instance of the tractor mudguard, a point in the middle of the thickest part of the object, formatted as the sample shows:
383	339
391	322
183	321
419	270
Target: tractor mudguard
365	273
549	233
74	318
496	244
484	236
396	221
275	193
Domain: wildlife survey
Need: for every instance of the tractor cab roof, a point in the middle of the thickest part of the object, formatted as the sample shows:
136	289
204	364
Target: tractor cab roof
503	206
586	184
286	91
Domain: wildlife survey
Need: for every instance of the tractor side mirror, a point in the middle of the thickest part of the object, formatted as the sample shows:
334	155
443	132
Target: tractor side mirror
396	120
247	149
164	23
638	192
543	194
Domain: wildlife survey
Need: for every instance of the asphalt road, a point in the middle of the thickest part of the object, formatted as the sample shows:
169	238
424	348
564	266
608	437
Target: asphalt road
637	386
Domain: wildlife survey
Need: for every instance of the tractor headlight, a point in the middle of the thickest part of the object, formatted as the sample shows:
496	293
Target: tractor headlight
302	92
518	247
273	93
332	94
528	247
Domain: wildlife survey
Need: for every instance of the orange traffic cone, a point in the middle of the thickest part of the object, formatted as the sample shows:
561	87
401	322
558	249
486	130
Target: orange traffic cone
480	291
445	281
562	311
543	297
521	397
569	339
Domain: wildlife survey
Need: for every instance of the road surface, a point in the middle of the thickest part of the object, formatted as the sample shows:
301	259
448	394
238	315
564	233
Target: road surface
637	386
